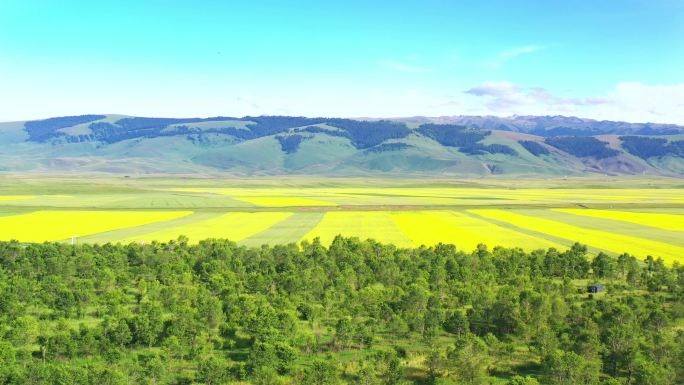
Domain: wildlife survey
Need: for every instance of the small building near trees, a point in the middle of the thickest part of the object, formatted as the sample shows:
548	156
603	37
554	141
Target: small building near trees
596	288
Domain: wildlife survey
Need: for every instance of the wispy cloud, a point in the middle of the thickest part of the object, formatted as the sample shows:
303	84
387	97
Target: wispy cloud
503	95
403	67
494	88
502	57
628	101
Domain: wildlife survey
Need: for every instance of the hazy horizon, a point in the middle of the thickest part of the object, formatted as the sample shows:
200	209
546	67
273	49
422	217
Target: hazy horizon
346	117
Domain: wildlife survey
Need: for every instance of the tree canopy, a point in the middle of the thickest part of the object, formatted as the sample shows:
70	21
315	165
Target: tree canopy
356	312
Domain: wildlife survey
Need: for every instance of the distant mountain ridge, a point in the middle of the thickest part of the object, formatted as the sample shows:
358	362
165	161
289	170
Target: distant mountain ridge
277	145
553	125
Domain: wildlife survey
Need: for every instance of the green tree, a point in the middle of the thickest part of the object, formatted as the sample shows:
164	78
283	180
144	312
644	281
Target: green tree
647	372
344	331
147	326
520	380
457	323
604	266
320	373
469	361
212	370
569	368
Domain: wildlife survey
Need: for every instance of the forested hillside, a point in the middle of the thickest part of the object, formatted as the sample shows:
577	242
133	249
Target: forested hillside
280	145
357	312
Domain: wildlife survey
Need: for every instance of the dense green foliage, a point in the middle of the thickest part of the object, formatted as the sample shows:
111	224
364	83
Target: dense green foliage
466	140
138	123
582	147
646	147
533	147
365	134
41	130
452	135
290	143
131	128
356	312
479	148
362	134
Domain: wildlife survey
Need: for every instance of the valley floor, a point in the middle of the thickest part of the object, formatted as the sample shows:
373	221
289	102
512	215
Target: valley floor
640	216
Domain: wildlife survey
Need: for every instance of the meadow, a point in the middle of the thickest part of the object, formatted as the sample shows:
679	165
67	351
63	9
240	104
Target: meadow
613	216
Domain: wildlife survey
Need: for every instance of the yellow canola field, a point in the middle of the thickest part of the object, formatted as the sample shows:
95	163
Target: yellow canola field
432	227
377	225
274	201
15	197
234	226
613	242
49	225
661	221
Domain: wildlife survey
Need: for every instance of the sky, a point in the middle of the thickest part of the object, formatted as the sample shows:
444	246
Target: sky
602	59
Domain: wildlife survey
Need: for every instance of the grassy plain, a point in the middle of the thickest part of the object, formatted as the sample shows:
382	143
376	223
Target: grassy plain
640	216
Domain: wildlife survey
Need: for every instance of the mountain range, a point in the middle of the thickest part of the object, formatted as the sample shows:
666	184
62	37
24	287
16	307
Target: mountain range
450	146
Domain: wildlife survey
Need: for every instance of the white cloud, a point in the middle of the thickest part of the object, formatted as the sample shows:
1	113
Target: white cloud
650	103
628	101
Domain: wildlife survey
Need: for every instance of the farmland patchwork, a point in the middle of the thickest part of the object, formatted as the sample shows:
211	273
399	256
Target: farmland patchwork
640	221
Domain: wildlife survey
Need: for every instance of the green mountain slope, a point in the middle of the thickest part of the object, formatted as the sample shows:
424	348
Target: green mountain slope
277	145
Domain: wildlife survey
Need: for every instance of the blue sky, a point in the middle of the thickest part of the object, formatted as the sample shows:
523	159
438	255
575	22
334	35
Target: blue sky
611	59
